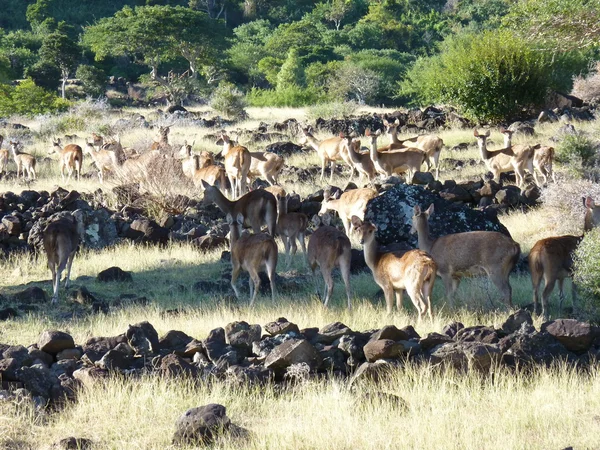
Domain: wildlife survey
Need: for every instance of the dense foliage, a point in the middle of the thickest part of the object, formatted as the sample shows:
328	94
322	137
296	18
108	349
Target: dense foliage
587	273
300	52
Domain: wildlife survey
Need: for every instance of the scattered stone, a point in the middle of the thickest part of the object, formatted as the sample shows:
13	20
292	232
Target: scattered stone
172	366
574	335
114	274
202	425
74	443
390	332
31	295
55	341
293	351
143	338
331	332
433	340
382	349
515	321
281	326
243	335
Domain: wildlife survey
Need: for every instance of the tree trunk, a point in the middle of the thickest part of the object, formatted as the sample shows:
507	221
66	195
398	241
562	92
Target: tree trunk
63	87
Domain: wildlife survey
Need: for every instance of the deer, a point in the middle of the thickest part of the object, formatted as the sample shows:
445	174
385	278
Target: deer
266	165
551	259
543	157
388	163
328	247
251	252
277	191
24	161
291	227
206	171
430	144
61	240
97	141
413	271
237	165
163	139
258	207
104	160
471	252
189	163
505	159
70	158
4	154
361	161
329	151
350	203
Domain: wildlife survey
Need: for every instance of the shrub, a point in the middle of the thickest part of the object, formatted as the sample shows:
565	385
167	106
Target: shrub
578	153
44	74
229	101
331	110
29	100
92	79
490	76
588	88
291	96
587	274
291	72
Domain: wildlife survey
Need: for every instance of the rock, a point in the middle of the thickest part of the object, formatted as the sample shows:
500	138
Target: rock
576	336
433	340
284	148
152	232
352	346
55	341
12	224
173	366
423	178
466	355
514	322
114	360
215	344
38	381
249	375
390	332
293	351
451	329
87	376
174	340
143	338
202	425
331	332
82	296
281	326
31	295
74	443
19	353
392	213
371	372
486	335
242	335
96	347
332	359
9	368
377	399
69	353
508	196
382	349
410	332
8	313
114	274
538	348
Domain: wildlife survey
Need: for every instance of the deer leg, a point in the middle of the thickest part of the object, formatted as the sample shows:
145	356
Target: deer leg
332	166
69	264
536	279
427	288
271	265
388	293
417	300
345	271
323	162
303	246
450	288
256	279
503	284
312	267
235	272
286	243
328	284
399	296
52	267
548	288
561	295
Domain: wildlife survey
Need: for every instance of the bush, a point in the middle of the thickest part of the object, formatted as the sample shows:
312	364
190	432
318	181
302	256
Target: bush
587	274
229	101
291	96
331	110
588	88
92	79
490	76
29	100
578	153
45	75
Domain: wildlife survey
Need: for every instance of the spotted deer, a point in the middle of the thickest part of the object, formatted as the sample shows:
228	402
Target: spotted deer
543	157
24	161
237	165
329	151
350	203
399	161
291	227
265	165
4	154
361	161
70	158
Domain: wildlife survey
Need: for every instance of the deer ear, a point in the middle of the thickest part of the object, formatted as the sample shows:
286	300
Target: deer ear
430	210
378	133
396	122
475	132
240	219
356	222
205	185
417	210
487	133
589	202
229	219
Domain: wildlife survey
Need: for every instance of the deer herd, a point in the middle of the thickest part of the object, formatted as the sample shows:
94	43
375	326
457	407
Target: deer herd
450	257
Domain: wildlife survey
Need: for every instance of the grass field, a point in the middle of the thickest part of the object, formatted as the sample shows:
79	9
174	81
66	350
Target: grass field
549	408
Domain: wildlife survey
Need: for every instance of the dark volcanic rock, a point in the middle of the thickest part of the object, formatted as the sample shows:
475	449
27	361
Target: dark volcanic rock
54	341
114	274
143	338
293	351
201	425
281	326
382	349
31	295
574	335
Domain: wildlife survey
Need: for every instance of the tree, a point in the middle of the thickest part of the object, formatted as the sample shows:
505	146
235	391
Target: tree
92	79
352	81
60	50
291	72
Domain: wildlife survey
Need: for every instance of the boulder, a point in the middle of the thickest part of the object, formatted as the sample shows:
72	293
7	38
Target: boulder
172	366
382	349
433	340
151	231
82	296
143	338
451	329
31	295
202	425
371	372
215	344
283	148
536	348
576	336
281	326
390	332
96	347
331	332
37	380
466	355
486	335
293	351
115	360
55	341
242	335
514	322
73	443
114	274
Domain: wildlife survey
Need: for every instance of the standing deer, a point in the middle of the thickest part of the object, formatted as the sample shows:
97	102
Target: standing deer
551	259
350	203
459	254
329	151
61	240
543	157
413	271
328	247
237	165
265	165
104	160
161	142
24	161
250	252
70	158
189	163
291	226
3	157
258	207
505	159
97	141
361	161
399	161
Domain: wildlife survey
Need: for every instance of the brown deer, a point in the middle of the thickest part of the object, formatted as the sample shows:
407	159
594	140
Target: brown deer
291	227
551	259
543	157
97	141
265	165
328	247
4	154
61	240
258	207
161	141
24	161
460	254
251	252
211	174
70	158
413	271
329	151
430	144
237	165
189	163
104	160
505	159
361	161
387	163
277	191
350	203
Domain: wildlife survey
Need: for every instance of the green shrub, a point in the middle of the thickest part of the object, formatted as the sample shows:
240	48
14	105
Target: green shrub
45	75
92	79
578	154
229	101
290	96
490	76
331	110
29	100
587	274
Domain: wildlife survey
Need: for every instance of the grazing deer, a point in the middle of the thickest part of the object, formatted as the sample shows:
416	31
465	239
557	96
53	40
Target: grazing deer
551	259
61	240
291	226
459	254
400	161
265	165
258	207
104	160
505	159
543	157
250	252
3	157
24	161
70	158
328	247
329	151
413	271
350	203
237	165
430	144
361	161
